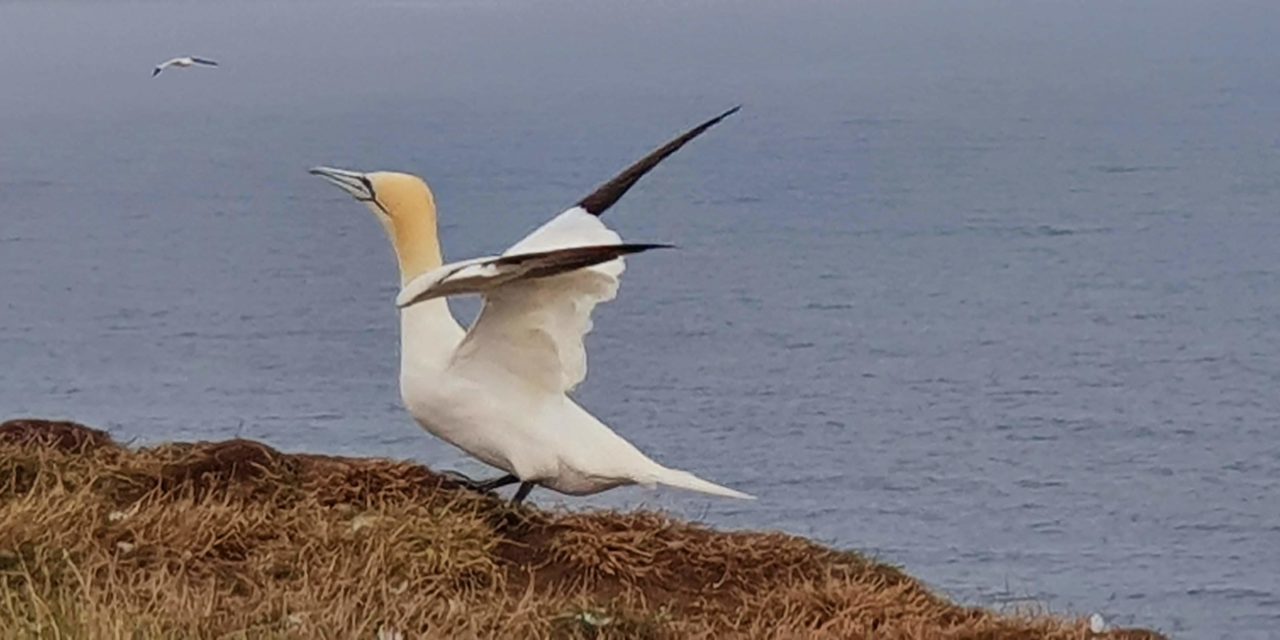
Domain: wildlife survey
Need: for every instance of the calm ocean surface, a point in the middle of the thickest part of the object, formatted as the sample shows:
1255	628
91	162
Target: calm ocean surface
991	291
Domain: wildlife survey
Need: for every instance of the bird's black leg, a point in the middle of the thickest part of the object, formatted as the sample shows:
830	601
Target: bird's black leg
500	481
482	486
522	492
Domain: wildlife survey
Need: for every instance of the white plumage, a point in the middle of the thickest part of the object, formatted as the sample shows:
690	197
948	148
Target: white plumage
532	326
1097	624
182	63
499	390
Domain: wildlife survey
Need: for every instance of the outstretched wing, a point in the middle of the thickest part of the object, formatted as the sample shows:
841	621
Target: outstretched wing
162	66
204	61
539	295
538	300
556	312
482	275
610	192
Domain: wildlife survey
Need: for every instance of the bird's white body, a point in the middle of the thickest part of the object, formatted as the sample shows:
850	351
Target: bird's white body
1097	624
538	438
499	390
502	394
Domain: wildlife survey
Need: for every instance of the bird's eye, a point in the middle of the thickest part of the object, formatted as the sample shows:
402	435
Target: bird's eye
367	185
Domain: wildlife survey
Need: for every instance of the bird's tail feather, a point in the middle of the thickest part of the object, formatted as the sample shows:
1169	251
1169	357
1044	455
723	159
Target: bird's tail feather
686	480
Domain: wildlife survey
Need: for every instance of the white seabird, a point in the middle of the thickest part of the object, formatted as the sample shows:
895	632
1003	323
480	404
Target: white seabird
1097	624
182	63
499	390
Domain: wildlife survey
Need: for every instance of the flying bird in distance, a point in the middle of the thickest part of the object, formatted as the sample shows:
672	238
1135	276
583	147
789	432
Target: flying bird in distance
499	390
182	63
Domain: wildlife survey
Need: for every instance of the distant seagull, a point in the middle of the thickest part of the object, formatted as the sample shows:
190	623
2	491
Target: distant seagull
1097	624
499	390
182	63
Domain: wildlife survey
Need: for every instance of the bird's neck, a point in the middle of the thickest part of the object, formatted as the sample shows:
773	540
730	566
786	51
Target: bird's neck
429	334
416	242
417	255
428	331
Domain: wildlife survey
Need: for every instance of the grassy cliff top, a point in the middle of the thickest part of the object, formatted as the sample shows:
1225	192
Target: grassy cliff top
234	539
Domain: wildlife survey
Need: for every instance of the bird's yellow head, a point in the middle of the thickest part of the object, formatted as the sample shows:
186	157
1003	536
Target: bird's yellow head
404	205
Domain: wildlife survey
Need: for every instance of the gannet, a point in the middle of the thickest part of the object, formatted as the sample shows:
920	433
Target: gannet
182	63
500	390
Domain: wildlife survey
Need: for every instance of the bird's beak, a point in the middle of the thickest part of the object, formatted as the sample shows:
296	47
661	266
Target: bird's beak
353	182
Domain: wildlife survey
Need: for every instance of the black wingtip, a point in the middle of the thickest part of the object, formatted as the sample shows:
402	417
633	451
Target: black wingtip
610	192
728	113
639	247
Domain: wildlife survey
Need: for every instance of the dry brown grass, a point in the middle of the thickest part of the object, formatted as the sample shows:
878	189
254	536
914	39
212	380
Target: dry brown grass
234	539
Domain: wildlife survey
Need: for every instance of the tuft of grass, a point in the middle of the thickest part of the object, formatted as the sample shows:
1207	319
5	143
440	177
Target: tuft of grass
236	540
